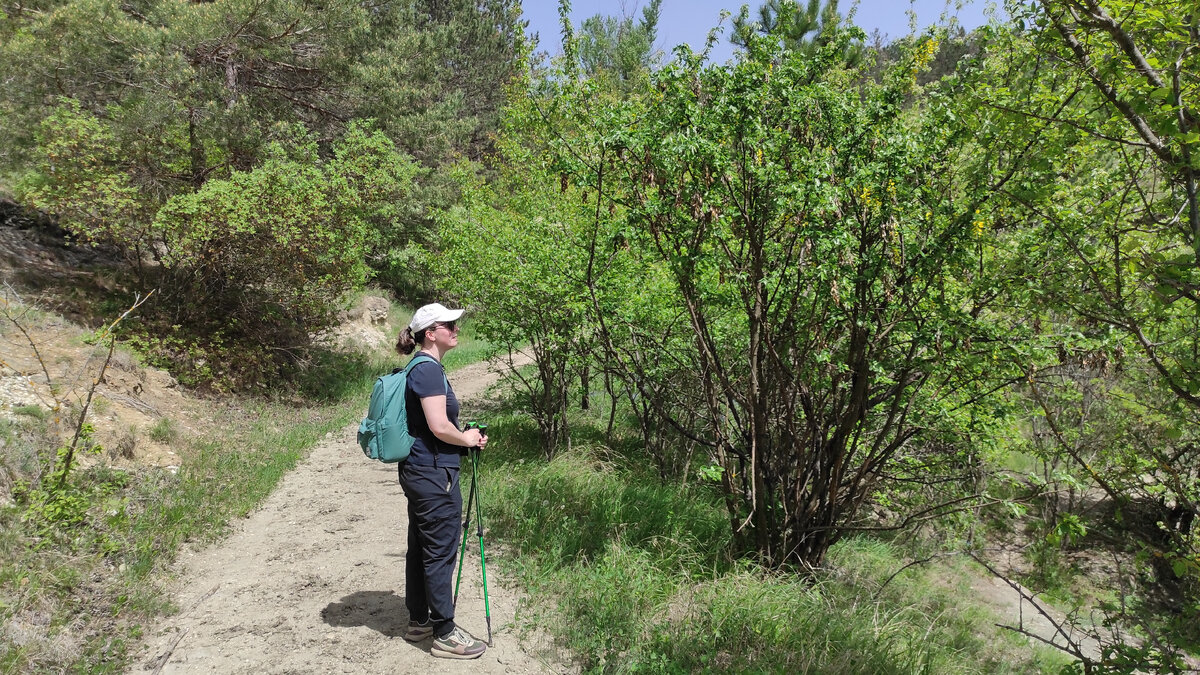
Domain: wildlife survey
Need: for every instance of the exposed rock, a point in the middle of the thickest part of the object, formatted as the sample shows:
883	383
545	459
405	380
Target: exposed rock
16	391
376	309
362	326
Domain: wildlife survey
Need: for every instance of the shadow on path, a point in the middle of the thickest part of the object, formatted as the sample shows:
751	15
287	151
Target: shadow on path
381	611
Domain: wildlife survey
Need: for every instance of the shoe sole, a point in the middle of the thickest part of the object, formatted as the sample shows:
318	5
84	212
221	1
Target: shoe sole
418	638
443	654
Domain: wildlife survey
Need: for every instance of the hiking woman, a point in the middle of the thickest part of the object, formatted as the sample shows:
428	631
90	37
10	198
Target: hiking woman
429	478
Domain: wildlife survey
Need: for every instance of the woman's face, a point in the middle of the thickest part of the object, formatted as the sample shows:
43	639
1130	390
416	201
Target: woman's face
444	335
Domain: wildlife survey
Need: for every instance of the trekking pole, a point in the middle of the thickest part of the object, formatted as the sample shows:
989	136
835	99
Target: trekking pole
462	551
487	609
472	500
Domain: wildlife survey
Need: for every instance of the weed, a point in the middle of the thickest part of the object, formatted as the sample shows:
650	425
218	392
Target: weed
37	412
126	360
163	431
101	406
126	443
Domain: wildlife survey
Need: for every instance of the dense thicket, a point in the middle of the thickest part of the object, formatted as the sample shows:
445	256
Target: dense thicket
772	262
1104	219
252	160
836	289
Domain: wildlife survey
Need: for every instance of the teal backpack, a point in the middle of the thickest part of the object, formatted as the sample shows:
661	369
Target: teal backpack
383	434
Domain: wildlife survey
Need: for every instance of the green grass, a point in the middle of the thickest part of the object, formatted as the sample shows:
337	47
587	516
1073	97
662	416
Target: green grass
163	431
37	412
132	527
633	575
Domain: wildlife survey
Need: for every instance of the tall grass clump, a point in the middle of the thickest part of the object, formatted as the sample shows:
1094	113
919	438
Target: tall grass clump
634	574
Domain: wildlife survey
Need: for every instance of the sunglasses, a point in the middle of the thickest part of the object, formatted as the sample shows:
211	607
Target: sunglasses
450	325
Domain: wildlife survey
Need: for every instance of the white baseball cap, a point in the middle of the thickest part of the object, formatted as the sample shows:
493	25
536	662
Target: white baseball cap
430	314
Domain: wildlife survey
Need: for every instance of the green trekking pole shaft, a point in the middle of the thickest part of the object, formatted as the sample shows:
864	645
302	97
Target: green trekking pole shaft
487	609
462	552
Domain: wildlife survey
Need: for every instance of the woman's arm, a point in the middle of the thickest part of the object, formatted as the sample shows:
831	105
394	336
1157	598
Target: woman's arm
435	414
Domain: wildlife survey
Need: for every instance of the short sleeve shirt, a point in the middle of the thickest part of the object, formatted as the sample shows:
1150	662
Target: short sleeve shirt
426	379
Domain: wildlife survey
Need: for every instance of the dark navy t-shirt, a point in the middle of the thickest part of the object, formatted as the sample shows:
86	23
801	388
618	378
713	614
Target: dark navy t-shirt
429	379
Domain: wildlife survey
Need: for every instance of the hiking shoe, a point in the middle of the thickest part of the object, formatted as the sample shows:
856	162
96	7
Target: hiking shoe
418	631
457	645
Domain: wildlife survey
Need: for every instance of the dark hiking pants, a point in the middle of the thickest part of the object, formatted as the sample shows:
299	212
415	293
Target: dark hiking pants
434	523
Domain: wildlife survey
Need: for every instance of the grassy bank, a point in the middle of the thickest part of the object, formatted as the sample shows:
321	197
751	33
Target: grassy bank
632	576
77	589
74	595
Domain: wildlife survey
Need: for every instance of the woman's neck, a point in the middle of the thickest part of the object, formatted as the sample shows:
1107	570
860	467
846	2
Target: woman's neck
433	351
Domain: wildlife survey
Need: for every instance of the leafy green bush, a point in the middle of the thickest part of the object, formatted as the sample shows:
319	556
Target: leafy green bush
251	264
633	576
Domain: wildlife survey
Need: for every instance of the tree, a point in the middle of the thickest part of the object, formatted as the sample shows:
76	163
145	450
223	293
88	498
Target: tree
1104	212
523	274
1100	213
435	81
147	103
253	263
804	30
801	245
618	48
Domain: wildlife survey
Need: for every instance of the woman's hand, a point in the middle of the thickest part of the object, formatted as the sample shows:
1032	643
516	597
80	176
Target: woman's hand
474	438
435	414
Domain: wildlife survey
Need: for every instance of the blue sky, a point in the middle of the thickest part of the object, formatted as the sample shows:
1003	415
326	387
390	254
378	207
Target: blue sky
690	20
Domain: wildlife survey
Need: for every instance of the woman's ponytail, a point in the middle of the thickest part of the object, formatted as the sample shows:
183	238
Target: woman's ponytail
406	343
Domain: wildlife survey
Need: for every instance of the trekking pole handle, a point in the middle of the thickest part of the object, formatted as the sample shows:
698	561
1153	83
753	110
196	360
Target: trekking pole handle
481	426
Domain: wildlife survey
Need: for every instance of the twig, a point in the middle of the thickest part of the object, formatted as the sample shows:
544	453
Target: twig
162	660
66	465
133	402
28	338
1073	648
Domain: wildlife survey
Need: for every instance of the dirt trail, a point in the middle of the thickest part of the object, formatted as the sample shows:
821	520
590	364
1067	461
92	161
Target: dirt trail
313	581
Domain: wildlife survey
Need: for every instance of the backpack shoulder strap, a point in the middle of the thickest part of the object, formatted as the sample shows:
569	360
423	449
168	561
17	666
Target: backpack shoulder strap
421	358
424	357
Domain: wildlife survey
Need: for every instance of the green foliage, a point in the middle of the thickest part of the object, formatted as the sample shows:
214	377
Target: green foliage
160	128
773	262
1082	115
253	263
806	29
617	49
35	411
623	568
276	247
435	83
512	262
435	78
78	176
57	501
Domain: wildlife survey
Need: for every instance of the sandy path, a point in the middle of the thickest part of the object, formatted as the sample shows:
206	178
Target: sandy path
313	581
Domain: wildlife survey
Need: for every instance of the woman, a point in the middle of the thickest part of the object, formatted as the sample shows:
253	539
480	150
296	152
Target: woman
429	478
